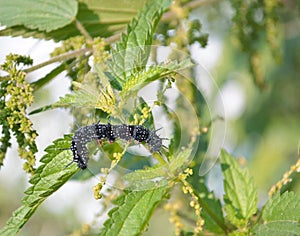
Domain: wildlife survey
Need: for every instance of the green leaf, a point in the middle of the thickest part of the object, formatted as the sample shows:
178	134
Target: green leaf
240	192
99	18
145	179
180	161
18	219
158	175
278	228
143	77
45	15
76	99
48	178
104	99
133	212
132	51
281	215
283	207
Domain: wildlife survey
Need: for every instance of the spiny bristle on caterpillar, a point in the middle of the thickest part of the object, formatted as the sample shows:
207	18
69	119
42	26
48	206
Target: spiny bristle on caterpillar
110	133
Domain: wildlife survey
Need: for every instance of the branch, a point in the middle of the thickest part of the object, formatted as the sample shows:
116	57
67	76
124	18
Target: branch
62	57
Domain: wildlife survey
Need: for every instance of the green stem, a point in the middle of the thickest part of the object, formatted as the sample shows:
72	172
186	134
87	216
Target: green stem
209	211
83	31
59	58
65	56
160	159
186	217
62	57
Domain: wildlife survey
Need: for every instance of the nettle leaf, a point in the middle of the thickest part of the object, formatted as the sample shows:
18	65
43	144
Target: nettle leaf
99	18
76	99
133	212
240	192
283	207
45	15
180	161
143	77
149	178
132	51
48	178
158	175
281	215
104	99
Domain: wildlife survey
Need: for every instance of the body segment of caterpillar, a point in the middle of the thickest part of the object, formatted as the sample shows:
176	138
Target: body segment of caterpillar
110	133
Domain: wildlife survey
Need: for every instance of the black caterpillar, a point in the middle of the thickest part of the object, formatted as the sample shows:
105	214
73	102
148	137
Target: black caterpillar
110	133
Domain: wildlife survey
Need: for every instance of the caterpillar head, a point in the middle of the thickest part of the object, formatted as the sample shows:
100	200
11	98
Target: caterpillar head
154	142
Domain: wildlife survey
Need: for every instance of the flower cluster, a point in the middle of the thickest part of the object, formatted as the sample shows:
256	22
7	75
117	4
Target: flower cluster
175	219
174	208
79	67
15	96
99	52
286	178
194	203
249	28
98	187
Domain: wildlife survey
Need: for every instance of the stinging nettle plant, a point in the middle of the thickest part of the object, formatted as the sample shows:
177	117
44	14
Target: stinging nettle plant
108	70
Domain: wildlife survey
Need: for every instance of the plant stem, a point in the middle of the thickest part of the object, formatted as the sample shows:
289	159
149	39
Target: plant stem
113	38
83	31
218	221
62	57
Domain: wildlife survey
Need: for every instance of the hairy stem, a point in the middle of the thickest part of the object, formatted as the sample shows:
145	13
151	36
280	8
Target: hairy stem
211	213
83	31
62	57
